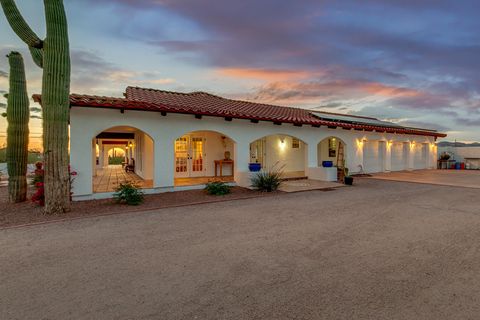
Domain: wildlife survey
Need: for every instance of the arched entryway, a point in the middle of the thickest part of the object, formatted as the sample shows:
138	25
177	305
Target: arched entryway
122	154
203	156
282	151
331	157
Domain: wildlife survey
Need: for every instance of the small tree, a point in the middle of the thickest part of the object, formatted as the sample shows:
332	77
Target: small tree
17	133
51	54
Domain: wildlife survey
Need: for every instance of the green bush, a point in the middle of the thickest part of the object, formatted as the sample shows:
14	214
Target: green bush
115	160
128	193
217	188
267	180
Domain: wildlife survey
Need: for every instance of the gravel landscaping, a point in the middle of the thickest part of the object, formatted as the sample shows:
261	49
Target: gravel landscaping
28	212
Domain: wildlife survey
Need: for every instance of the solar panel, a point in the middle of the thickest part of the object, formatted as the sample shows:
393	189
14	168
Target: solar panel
354	120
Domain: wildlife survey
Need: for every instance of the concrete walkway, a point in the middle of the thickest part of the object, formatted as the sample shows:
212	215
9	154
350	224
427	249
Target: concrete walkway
307	184
455	178
378	250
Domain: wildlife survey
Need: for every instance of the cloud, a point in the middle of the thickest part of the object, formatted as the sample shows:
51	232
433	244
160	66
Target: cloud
92	74
33	116
469	122
3	74
264	74
3	105
36	109
319	92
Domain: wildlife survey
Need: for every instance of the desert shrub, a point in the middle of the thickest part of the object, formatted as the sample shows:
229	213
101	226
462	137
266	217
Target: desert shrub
217	188
128	193
267	180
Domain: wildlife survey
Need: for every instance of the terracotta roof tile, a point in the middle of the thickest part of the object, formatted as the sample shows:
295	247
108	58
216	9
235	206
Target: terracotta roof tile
202	103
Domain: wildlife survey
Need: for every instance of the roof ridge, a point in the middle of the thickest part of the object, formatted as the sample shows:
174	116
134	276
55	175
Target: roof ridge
219	97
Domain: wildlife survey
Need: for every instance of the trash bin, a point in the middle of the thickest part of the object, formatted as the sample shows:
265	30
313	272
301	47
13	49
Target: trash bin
462	166
457	165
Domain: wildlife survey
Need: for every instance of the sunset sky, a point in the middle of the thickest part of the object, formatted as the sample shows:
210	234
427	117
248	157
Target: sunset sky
416	63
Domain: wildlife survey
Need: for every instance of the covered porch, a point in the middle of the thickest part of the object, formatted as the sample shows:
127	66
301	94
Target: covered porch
122	154
110	177
282	152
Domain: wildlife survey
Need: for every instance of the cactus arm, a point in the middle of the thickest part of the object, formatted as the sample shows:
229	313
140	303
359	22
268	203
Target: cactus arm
17	132
37	56
19	25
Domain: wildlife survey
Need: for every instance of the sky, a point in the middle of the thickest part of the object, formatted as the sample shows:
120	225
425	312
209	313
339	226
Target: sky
416	63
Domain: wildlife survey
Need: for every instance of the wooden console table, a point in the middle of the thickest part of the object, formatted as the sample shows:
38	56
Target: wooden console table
220	163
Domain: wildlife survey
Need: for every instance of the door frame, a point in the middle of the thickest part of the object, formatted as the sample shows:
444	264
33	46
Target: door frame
189	173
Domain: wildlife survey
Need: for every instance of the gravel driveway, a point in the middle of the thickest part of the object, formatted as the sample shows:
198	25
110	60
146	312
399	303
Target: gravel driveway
379	250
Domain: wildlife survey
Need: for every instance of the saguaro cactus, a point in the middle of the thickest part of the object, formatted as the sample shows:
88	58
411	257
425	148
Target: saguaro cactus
17	133
51	54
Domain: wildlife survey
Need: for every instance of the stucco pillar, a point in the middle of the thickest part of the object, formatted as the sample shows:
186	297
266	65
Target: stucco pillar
242	158
81	161
94	157
355	158
433	156
163	162
410	155
312	155
312	169
388	156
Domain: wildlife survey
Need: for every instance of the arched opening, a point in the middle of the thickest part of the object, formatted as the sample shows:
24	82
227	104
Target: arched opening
331	156
122	154
282	151
116	155
203	156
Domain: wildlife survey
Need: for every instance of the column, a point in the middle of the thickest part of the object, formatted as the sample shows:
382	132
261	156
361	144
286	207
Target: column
242	158
163	163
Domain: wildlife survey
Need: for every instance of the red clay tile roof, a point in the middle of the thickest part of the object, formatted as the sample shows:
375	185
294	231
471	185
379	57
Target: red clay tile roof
201	103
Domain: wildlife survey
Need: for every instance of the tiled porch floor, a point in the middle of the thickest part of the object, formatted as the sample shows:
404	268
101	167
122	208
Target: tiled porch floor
109	178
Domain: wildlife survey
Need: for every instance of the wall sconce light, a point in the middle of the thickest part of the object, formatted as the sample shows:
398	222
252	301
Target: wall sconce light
282	144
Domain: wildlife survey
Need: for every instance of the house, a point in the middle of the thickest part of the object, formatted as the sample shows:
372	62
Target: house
175	141
468	153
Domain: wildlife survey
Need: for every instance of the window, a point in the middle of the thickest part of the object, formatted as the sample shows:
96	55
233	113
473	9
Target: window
295	143
332	147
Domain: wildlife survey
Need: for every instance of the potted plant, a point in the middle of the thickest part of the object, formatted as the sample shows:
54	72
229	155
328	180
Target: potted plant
445	156
348	179
254	166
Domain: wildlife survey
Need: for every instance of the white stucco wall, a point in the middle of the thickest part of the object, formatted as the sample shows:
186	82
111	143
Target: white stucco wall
86	123
283	155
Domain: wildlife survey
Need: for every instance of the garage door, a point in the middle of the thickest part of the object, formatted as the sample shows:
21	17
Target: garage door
399	156
419	156
373	156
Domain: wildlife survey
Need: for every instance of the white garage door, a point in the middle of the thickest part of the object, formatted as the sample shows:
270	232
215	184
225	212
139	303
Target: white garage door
399	156
419	156
373	156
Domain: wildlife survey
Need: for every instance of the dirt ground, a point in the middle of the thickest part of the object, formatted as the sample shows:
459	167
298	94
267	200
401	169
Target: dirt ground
29	212
378	250
454	178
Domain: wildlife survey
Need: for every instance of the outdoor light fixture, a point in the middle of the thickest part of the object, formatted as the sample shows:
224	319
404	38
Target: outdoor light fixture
282	144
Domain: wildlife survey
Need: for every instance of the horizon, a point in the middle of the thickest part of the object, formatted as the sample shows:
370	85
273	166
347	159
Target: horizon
404	62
